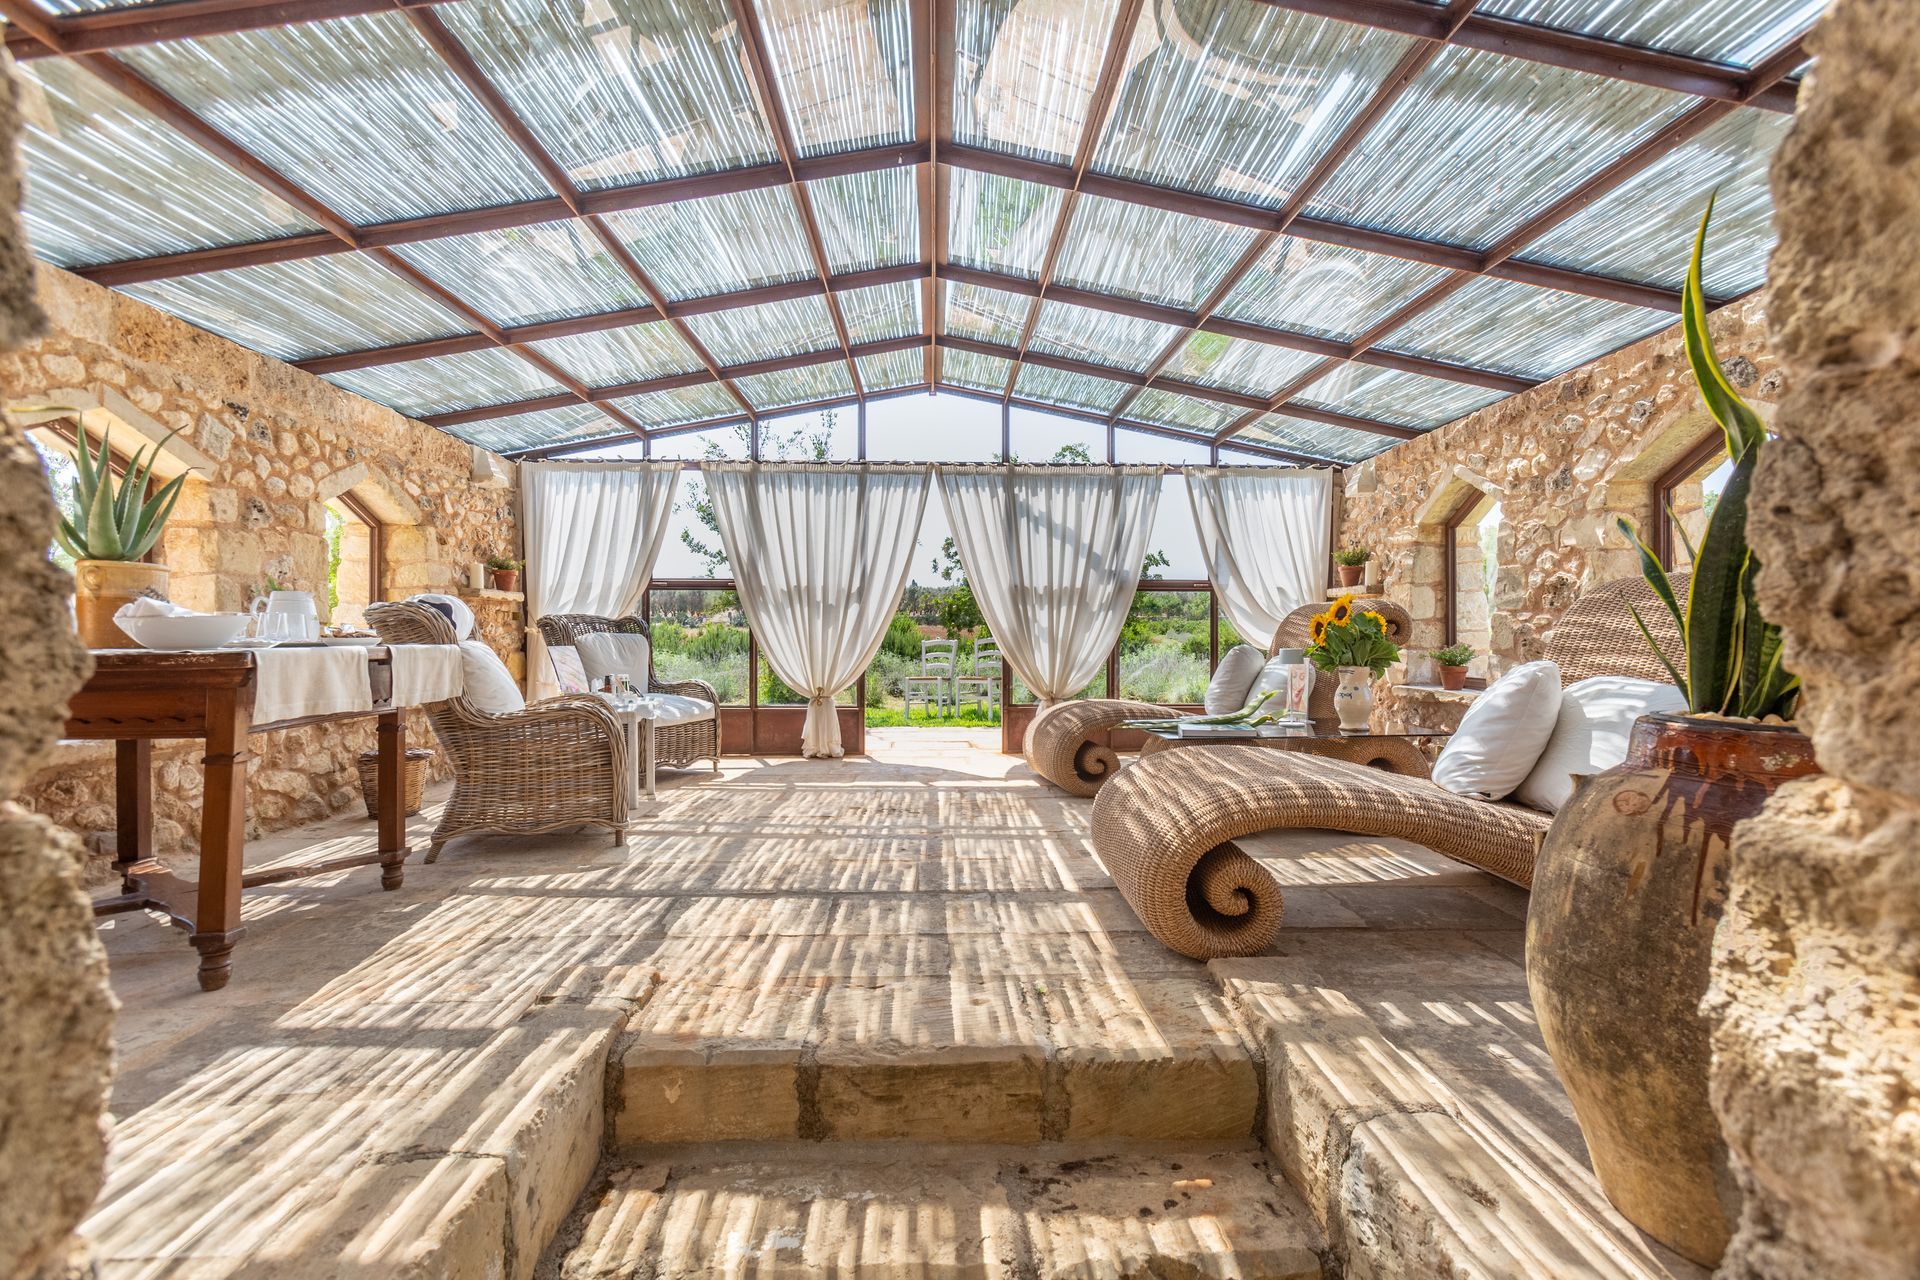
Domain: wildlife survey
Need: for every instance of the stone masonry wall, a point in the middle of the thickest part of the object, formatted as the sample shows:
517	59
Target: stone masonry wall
273	445
1816	995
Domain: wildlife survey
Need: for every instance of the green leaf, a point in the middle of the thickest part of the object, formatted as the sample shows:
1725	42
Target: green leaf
153	516
1680	531
1656	575
103	535
1737	419
1715	594
69	539
1658	652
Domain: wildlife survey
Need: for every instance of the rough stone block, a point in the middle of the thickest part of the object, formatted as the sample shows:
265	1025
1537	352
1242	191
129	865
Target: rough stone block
957	1094
706	1093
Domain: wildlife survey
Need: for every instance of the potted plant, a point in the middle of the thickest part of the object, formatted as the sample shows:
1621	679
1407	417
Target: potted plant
115	523
1632	876
503	573
1453	662
1354	645
1352	563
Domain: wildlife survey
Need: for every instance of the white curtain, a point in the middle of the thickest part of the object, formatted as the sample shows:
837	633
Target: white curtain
1265	538
1053	555
592	533
820	556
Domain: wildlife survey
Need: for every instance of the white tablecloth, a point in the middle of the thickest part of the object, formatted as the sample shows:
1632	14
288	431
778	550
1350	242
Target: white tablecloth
300	682
425	673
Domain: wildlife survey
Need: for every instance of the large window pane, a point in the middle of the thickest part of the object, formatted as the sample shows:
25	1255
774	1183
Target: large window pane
701	635
1164	647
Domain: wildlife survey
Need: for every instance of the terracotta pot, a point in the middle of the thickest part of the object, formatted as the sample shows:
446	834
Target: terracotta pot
1632	879
101	586
1351	574
1453	677
505	579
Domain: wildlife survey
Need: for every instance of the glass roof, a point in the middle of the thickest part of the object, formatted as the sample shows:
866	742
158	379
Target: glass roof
1319	440
973	370
1737	31
986	315
523	275
572	424
632	354
1255	368
1070	390
1519	329
798	386
868	220
1388	395
881	311
1101	337
442	384
770	329
1188	413
844	71
999	224
679	407
297	309
893	369
1024	74
1325	290
1142	252
717	244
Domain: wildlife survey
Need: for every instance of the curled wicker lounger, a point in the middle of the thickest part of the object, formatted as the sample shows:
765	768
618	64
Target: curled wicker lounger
1165	830
1062	747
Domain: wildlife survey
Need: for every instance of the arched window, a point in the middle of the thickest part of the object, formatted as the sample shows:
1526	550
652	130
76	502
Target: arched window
1472	563
355	560
1684	497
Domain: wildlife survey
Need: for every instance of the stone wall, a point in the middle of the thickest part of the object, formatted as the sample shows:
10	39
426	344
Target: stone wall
56	1011
270	447
1816	995
1564	460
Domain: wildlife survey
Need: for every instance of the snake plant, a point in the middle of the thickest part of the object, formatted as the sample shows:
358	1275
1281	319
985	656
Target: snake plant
112	518
1732	653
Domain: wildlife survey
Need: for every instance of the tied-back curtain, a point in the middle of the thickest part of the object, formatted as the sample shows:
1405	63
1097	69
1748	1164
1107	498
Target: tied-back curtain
1265	538
820	556
1054	556
593	532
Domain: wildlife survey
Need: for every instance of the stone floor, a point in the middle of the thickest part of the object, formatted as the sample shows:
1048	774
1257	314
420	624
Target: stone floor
564	1056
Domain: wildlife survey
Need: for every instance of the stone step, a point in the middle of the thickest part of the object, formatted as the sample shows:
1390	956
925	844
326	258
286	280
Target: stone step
787	1211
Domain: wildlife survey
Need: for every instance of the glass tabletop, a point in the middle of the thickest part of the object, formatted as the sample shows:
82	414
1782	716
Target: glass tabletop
1291	731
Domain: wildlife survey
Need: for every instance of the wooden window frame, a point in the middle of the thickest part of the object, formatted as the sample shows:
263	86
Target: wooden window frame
1450	565
376	540
1689	463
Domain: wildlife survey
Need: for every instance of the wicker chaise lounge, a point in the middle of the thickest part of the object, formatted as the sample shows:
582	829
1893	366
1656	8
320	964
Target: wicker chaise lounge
1166	827
559	763
675	745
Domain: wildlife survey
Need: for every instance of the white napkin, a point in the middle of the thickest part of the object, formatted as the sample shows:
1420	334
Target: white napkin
148	607
425	673
318	681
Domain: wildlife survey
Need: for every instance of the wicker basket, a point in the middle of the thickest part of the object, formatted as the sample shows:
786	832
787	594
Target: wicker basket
416	773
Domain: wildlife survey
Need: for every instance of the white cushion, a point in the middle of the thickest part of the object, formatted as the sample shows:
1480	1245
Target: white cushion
1227	691
1590	734
1502	735
459	612
490	685
615	653
671	708
1272	679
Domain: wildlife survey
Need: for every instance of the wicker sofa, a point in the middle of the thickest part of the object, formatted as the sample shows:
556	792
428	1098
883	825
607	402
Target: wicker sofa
559	763
1165	827
677	745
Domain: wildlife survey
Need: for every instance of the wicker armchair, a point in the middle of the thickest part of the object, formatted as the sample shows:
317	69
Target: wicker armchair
1165	829
675	746
559	763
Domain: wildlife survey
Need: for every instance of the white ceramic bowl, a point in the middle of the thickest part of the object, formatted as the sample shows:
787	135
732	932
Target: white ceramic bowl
199	631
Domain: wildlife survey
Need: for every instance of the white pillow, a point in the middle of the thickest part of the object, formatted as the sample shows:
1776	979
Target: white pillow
490	685
1596	717
1272	678
1503	733
614	653
458	611
1239	667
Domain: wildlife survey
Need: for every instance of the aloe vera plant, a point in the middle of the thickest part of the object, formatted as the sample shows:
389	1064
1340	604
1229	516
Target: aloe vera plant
1732	656
112	520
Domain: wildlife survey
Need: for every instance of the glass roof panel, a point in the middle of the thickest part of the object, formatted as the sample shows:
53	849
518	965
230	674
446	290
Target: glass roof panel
622	91
1738	31
683	405
798	386
1256	368
441	384
523	275
1388	395
999	224
542	427
106	180
1126	342
1342	444
1325	290
1074	390
292	310
844	69
1481	142
1024	74
783	328
894	369
986	315
1239	99
1519	329
868	219
631	354
361	112
1164	408
881	311
717	244
1142	252
1643	229
970	369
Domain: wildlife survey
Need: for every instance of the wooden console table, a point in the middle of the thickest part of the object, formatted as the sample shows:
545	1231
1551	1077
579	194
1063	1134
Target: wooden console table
138	695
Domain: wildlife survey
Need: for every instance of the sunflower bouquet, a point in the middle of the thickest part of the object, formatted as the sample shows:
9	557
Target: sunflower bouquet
1346	637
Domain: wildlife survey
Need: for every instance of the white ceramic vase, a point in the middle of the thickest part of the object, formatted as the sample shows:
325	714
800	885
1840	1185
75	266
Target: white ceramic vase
1353	700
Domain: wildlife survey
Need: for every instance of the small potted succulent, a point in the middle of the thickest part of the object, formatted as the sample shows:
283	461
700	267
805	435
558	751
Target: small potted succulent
1352	563
115	523
503	573
1453	662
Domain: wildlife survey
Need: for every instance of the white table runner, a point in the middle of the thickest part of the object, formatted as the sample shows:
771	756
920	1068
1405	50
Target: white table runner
300	682
426	673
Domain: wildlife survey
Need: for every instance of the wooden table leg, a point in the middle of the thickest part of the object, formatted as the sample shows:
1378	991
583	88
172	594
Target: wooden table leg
393	797
223	832
133	804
